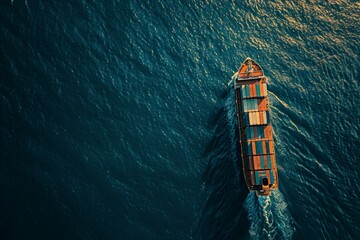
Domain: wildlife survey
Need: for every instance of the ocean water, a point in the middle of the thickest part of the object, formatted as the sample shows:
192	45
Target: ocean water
117	120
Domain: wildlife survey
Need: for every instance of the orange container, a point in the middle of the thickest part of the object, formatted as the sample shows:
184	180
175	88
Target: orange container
253	148
262	104
263	89
253	90
250	90
267	132
261	118
255	163
272	149
264	147
266	120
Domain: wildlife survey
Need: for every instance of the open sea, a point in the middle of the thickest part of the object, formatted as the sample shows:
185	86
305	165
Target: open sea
118	120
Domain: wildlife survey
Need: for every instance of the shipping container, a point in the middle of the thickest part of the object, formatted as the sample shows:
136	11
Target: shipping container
256	132
254	104
261	162
258	90
250	104
252	90
260	147
264	92
268	132
255	118
245	91
262	104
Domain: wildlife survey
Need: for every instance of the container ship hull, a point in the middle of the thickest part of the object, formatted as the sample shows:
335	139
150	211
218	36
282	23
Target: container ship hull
255	130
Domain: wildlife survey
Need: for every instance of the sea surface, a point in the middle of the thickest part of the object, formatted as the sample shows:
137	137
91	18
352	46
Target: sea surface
118	119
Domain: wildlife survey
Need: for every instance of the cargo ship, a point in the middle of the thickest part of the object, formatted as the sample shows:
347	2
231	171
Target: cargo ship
255	130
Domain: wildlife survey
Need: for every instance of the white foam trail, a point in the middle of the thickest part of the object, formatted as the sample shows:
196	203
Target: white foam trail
265	203
281	101
284	220
232	78
253	216
269	217
284	103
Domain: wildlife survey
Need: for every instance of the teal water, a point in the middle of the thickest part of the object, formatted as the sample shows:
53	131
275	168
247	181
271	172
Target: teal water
117	121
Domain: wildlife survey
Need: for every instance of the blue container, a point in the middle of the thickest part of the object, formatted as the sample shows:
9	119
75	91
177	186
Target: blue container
259	149
243	92
250	105
257	178
269	161
258	94
255	104
249	148
260	131
249	132
244	105
254	131
247	88
246	119
262	161
267	147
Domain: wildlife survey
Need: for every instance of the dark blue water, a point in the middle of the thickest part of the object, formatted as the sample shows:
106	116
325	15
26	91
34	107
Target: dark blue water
117	121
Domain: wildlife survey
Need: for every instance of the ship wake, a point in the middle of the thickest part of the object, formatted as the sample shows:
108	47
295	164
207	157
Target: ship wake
269	217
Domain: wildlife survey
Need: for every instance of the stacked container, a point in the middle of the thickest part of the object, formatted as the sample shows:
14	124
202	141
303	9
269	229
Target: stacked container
257	132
